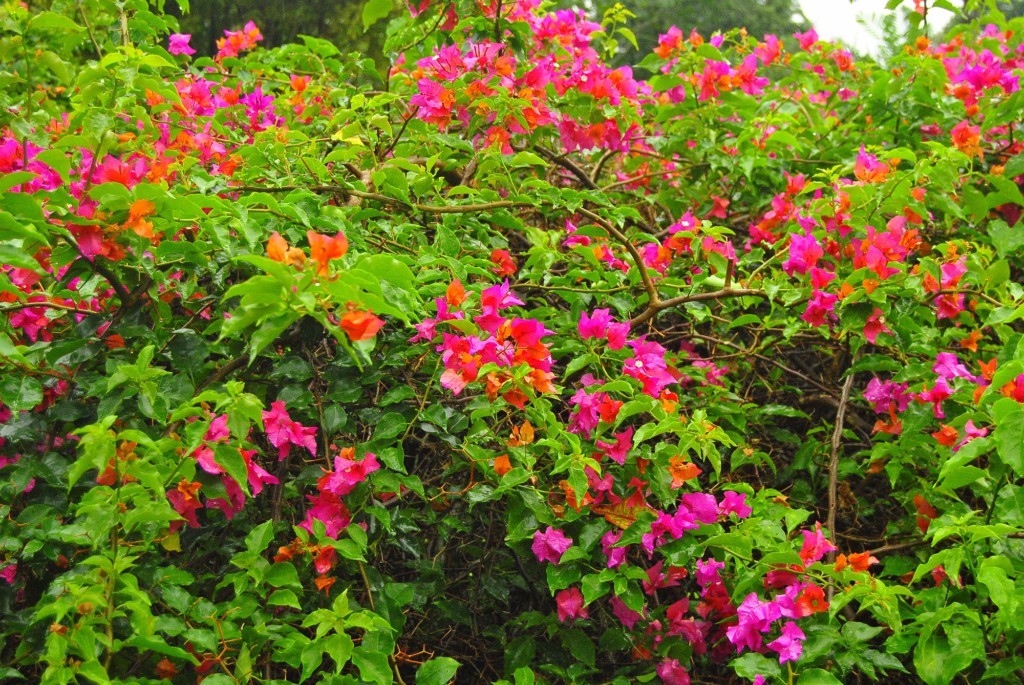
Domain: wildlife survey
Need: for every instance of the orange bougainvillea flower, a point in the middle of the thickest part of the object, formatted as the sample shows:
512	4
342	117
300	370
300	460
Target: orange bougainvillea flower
323	249
277	247
971	341
456	293
682	470
360	325
946	435
858	562
324	583
137	214
967	138
521	435
165	669
502	464
278	250
861	561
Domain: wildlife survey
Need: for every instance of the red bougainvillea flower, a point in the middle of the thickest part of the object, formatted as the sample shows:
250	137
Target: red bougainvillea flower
812	600
185	500
925	512
503	263
360	325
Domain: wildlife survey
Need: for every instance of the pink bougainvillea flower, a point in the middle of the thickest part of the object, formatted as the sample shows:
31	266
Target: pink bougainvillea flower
947	366
970	433
9	572
178	44
329	510
627	616
806	39
550	545
595	325
257	475
283	433
570	605
755	617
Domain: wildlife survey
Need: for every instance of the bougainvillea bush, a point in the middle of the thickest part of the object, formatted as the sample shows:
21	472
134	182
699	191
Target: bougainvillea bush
502	363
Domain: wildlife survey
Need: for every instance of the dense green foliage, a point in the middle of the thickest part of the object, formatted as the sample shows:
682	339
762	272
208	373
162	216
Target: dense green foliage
505	364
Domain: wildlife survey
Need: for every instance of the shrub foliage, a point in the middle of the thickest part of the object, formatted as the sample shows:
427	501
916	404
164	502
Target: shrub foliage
508	365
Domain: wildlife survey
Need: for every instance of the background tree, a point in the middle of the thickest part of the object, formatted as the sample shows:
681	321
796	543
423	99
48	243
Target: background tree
653	17
282	22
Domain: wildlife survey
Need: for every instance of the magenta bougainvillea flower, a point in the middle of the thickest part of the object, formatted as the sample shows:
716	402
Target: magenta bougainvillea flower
550	545
570	605
790	644
178	44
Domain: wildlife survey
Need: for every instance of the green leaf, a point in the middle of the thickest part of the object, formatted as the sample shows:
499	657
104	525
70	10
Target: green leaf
373	666
390	426
1004	668
21	393
282	574
233	463
1009	433
374	11
143	643
311	658
1005	239
53	21
817	676
259	537
17	257
284	598
437	671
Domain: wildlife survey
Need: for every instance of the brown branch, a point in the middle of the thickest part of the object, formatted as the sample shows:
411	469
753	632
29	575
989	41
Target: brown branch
655	307
653	300
833	467
568	164
14	306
